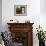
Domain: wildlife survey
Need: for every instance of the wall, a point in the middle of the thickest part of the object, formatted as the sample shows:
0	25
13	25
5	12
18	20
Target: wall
33	14
43	14
33	10
0	15
43	6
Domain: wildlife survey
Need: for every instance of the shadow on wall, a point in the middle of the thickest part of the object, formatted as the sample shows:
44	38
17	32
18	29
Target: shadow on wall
0	15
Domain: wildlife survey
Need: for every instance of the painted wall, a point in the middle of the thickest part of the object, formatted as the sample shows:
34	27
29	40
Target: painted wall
0	15
43	14
33	14
33	10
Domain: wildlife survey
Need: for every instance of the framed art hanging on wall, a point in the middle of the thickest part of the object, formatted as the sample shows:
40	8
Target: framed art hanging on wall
20	10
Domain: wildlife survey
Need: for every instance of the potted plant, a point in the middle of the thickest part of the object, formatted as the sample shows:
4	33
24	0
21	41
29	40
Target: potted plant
41	36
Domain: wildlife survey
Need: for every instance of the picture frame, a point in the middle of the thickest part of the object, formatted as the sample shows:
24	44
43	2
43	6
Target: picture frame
20	10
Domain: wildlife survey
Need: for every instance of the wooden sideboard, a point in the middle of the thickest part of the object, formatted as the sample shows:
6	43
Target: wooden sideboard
22	29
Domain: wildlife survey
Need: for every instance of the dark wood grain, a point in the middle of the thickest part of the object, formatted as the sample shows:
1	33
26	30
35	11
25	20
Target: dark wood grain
23	27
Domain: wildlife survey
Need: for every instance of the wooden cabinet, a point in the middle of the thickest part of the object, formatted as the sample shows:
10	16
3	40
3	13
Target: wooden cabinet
22	32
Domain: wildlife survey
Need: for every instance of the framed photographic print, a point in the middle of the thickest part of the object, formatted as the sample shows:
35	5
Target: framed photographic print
20	10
